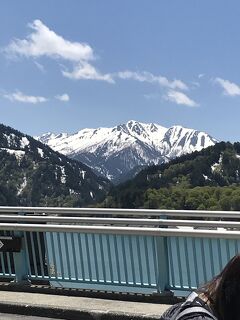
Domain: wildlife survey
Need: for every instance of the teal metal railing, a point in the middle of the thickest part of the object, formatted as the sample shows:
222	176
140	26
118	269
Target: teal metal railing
145	255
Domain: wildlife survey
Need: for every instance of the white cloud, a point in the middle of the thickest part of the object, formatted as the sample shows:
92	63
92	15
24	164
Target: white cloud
201	75
20	97
64	97
45	42
179	98
229	88
149	77
85	71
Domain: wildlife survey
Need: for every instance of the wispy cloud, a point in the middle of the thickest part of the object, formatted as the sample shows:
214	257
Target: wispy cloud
43	41
152	96
179	98
229	88
64	97
40	67
145	76
21	97
86	71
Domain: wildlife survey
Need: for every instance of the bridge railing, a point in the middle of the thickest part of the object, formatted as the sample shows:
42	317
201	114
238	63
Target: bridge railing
144	255
120	212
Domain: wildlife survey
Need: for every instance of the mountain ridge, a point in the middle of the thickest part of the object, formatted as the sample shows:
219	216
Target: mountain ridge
114	151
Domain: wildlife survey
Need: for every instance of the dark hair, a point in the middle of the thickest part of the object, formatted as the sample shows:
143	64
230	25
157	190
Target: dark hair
223	291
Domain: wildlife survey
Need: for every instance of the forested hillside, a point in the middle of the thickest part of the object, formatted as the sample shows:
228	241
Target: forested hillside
209	179
32	174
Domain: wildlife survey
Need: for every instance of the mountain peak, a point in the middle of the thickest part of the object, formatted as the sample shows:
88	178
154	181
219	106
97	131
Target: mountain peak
115	151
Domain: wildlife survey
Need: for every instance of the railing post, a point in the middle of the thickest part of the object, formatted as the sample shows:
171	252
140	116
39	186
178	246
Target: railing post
162	263
20	261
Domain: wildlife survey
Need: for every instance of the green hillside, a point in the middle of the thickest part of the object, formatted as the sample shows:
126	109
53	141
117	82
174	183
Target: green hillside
208	179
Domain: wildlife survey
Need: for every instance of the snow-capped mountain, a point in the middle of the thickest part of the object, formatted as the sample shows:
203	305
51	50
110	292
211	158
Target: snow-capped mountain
32	174
113	152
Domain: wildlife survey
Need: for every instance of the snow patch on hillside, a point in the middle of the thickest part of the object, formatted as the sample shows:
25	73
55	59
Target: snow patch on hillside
18	153
22	186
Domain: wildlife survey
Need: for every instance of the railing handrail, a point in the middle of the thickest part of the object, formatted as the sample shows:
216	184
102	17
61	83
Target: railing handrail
126	212
120	221
160	232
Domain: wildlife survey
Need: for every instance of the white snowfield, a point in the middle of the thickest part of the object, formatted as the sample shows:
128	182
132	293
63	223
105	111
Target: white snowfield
145	143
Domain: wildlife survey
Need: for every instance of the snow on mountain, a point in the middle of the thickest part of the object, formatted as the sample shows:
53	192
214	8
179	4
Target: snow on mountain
34	174
113	152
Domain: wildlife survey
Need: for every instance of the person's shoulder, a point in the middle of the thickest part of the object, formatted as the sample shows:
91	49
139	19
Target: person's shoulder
171	311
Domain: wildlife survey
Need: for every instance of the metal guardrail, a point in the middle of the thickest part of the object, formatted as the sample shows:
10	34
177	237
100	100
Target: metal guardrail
125	254
118	212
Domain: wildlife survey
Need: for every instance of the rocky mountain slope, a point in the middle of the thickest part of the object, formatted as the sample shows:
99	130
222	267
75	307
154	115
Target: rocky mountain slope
114	152
32	174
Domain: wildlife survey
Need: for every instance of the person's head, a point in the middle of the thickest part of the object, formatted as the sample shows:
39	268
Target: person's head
223	292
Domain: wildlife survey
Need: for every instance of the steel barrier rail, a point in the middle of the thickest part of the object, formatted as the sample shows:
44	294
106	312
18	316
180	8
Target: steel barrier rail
126	212
121	221
140	231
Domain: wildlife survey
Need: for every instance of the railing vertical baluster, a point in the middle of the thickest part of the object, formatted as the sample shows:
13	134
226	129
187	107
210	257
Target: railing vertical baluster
156	271
34	255
139	260
27	253
187	263
195	261
147	260
53	270
203	261
236	246
96	266
40	254
228	250
102	258
132	259
179	263
110	258
74	256
211	257
67	255
171	262
81	256
60	254
162	263
220	254
124	260
47	257
9	264
20	261
88	257
117	258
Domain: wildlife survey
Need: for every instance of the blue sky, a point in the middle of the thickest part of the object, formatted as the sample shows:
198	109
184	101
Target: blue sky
66	65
